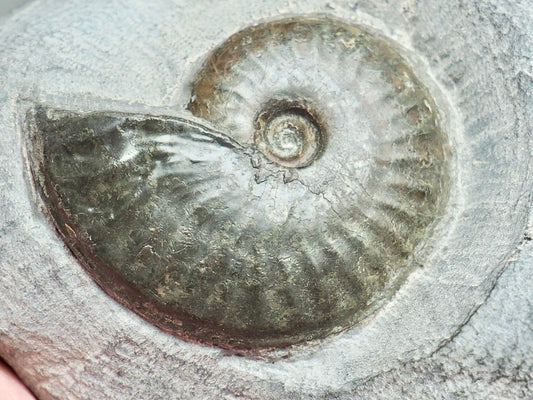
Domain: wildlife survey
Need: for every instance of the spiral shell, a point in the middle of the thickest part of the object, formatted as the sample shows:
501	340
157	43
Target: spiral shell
299	217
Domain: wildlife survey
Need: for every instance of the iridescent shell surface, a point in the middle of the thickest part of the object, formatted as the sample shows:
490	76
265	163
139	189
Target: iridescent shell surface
295	217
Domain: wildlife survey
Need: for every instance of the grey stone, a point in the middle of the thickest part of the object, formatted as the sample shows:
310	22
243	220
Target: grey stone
459	327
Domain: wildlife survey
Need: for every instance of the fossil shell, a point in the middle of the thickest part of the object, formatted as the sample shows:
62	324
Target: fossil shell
298	217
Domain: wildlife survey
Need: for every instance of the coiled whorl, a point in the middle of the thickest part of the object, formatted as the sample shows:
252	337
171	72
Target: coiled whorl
297	217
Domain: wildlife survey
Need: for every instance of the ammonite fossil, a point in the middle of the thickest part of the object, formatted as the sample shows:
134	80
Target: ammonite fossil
291	212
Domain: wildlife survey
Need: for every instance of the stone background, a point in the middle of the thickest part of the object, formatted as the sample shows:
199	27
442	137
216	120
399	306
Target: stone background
8	6
459	328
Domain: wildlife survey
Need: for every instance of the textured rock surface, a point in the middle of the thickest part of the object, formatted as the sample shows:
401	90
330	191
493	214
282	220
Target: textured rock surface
461	326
